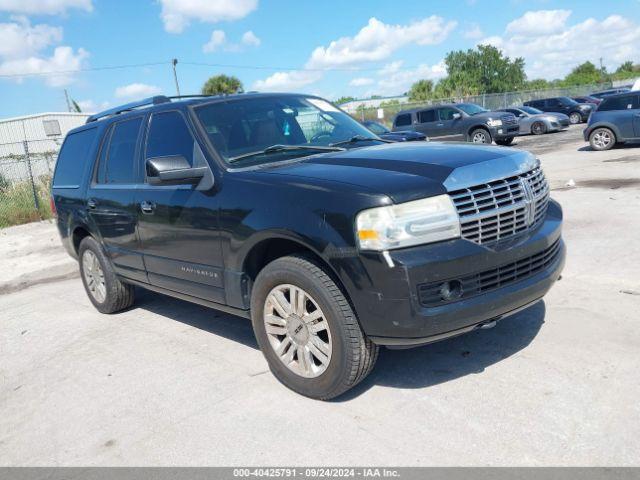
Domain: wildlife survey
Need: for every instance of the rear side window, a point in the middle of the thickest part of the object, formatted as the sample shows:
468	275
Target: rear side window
169	135
404	119
626	102
427	116
117	157
73	157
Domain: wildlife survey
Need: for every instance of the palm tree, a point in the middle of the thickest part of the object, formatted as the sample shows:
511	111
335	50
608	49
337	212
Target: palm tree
221	85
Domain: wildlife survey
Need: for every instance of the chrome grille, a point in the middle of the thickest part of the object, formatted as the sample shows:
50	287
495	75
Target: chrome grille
502	208
509	119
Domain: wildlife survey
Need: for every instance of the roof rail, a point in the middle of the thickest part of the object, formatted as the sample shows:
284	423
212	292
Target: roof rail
157	100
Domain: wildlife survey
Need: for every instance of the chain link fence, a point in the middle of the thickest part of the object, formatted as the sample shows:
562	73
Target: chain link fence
26	170
493	101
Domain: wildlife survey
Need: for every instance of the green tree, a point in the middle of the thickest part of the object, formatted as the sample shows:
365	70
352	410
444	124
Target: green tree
75	107
482	70
585	74
627	70
342	100
537	84
221	85
421	90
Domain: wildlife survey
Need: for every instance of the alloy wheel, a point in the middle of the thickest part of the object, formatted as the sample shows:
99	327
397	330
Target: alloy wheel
94	276
602	139
574	118
297	330
479	137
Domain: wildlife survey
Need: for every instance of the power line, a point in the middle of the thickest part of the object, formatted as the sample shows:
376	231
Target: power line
81	70
197	64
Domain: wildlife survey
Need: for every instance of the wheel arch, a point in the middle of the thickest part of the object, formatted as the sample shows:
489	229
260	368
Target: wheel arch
476	127
608	125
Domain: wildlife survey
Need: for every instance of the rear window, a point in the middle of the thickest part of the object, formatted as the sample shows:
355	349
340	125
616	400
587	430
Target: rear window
404	119
625	102
117	158
427	116
73	157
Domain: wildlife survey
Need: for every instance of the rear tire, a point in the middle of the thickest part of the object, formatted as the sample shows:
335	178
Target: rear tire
480	135
107	293
538	128
575	118
314	344
602	139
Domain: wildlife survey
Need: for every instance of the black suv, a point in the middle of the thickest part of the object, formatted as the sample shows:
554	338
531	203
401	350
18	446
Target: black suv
577	112
283	209
459	122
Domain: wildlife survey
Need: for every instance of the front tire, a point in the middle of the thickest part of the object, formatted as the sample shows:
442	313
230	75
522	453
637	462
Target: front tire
505	141
480	135
107	293
575	118
602	139
307	330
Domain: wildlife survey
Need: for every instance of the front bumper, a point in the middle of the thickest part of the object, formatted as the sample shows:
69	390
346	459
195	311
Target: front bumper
393	312
505	131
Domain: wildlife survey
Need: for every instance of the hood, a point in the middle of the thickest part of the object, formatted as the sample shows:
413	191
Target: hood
408	171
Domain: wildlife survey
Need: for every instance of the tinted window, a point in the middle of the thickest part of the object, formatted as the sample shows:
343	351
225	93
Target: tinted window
169	135
376	128
535	103
117	157
427	116
619	103
446	113
404	119
73	157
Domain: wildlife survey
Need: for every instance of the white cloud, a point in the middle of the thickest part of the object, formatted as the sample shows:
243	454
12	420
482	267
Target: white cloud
378	40
63	60
396	82
553	55
19	38
473	32
391	68
217	40
287	81
177	14
250	39
44	7
361	82
89	106
374	42
136	90
539	22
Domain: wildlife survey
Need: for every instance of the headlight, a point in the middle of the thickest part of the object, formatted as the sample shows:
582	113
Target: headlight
411	223
494	122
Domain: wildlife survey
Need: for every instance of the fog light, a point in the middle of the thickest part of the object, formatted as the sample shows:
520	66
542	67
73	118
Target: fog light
451	290
500	131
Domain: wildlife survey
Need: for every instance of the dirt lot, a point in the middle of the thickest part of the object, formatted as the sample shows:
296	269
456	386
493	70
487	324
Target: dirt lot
171	383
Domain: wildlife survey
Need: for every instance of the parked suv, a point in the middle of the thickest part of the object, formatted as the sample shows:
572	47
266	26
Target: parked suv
459	122
577	112
283	209
616	120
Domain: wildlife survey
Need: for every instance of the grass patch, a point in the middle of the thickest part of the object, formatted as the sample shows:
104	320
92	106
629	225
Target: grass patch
17	205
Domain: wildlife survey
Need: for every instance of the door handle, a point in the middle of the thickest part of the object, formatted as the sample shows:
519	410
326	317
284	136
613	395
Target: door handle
91	203
147	207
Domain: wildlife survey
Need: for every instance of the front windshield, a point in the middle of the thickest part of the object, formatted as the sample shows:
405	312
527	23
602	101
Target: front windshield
531	110
471	108
239	127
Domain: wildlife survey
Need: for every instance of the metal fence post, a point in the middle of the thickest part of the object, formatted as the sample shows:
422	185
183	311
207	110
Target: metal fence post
36	202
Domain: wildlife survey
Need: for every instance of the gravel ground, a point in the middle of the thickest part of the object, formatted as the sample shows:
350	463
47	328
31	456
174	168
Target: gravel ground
171	383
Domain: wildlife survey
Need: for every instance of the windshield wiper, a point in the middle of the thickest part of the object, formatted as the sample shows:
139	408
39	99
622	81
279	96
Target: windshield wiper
360	138
285	148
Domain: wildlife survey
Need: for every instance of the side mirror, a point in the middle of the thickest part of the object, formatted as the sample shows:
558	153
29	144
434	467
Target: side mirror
522	115
457	116
173	170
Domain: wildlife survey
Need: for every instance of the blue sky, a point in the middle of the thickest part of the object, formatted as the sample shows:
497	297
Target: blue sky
331	48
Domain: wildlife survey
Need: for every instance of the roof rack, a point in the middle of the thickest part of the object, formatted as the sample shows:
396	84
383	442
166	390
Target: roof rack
157	100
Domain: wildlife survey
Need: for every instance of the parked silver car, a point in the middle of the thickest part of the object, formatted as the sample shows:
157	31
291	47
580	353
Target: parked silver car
537	122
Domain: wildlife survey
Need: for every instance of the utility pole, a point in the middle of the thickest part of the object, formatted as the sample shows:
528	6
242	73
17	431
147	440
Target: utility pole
174	62
66	96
